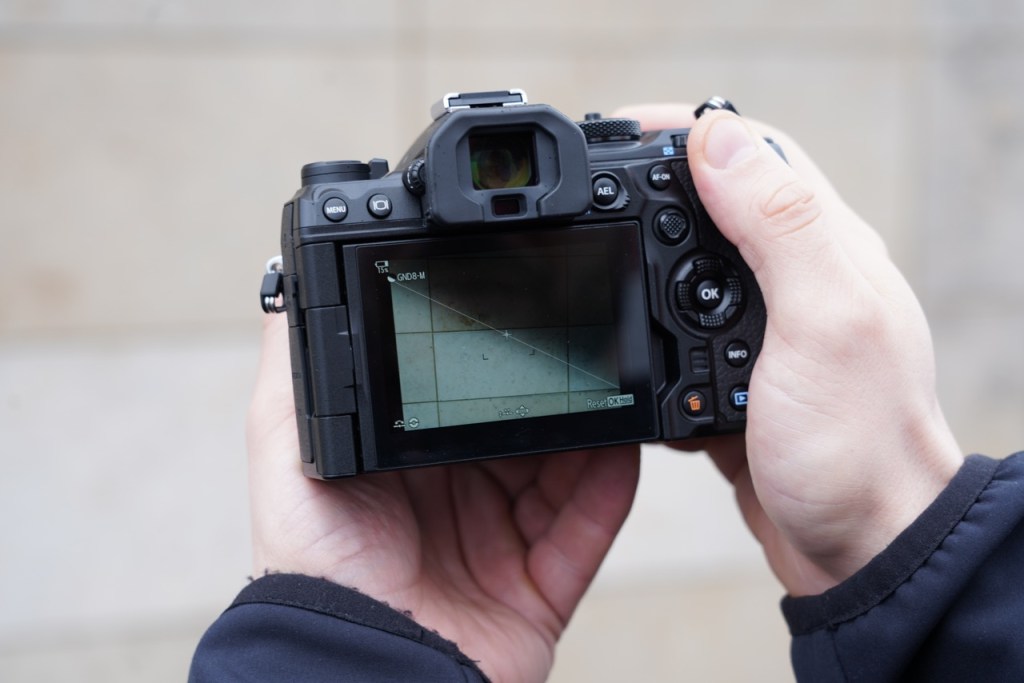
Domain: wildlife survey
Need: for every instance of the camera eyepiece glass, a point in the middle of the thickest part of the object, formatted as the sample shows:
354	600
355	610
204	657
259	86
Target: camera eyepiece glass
502	161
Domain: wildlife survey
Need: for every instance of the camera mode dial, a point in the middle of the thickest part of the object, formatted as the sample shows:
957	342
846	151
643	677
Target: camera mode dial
334	172
596	129
321	172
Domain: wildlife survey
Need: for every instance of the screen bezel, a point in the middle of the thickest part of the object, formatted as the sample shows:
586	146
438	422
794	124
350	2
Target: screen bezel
385	447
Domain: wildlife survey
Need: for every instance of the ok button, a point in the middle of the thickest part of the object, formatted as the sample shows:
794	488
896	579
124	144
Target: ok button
709	294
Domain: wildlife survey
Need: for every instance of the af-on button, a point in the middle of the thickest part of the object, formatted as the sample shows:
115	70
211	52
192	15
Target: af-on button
659	177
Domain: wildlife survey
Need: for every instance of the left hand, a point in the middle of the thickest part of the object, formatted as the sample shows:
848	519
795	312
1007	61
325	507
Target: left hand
494	555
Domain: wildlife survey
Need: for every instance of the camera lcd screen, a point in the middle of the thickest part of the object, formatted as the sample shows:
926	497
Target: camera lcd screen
502	161
504	336
531	342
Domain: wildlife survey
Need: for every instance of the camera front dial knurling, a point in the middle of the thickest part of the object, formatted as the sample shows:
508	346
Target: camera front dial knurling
597	129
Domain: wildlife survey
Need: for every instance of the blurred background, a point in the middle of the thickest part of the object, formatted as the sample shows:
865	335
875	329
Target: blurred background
146	148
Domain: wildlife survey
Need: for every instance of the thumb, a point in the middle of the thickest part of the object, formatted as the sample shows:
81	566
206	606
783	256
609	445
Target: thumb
774	217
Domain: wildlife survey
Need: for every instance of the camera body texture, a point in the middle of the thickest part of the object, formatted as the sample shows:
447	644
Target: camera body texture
520	284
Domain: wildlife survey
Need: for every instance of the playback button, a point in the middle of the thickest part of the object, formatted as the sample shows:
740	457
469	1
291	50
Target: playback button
738	397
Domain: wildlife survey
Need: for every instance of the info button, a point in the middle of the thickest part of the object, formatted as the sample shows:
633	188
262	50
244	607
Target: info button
737	354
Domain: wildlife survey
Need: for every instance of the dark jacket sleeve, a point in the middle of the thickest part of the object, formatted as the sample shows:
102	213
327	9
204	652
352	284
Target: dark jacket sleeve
287	627
944	602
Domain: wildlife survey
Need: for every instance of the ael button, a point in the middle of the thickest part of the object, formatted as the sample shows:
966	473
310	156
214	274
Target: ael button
606	191
608	194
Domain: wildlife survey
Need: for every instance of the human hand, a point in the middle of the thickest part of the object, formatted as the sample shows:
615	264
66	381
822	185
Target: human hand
845	442
493	555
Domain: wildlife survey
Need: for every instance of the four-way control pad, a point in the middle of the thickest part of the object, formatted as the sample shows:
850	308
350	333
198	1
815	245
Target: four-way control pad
707	291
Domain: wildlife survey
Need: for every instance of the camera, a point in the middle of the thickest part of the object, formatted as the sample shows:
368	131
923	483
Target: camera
520	283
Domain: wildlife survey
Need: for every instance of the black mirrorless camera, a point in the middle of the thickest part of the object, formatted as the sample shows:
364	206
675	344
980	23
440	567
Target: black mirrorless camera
520	284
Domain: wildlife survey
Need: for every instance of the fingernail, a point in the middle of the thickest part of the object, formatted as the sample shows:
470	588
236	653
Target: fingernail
728	143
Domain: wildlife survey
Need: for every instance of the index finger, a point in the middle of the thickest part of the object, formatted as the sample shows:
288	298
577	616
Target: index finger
663	115
658	116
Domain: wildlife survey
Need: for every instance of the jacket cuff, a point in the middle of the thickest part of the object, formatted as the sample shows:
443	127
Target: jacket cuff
888	570
334	600
294	627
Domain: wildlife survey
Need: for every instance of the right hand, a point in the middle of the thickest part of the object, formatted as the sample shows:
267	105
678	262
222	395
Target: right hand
845	444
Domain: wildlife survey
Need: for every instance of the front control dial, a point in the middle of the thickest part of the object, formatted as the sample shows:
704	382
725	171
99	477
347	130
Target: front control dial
610	130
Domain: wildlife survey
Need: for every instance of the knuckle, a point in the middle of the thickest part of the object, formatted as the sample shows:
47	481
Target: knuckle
863	334
788	206
865	325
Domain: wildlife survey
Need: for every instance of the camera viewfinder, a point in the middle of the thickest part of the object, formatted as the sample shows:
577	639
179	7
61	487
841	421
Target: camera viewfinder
501	161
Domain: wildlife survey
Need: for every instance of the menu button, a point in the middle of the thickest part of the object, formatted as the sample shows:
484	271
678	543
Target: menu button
335	209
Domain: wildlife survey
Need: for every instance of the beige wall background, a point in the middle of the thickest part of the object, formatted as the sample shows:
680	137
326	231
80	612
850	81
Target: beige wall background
146	148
